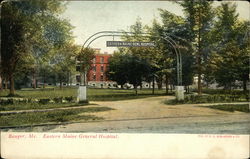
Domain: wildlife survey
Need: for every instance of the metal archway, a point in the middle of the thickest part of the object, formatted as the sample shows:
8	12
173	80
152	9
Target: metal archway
98	35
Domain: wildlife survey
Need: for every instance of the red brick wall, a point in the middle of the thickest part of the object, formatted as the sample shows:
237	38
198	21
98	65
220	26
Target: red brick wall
98	63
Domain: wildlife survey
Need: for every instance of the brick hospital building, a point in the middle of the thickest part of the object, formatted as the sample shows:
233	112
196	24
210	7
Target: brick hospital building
96	76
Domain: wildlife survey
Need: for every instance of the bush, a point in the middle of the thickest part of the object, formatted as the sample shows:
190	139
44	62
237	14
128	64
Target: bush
14	101
69	99
44	101
58	100
9	101
215	98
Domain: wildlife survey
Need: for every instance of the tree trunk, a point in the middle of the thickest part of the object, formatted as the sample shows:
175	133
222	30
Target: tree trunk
153	91
44	79
136	93
199	83
34	80
230	87
1	84
84	78
244	85
60	84
12	86
166	85
159	82
69	79
5	84
199	55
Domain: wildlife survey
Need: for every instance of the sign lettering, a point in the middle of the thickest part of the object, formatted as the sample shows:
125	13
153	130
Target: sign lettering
129	44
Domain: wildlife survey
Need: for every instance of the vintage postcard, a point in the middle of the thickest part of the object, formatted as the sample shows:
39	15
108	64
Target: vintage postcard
124	79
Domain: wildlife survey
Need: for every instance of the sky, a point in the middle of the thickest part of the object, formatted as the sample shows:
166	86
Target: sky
89	17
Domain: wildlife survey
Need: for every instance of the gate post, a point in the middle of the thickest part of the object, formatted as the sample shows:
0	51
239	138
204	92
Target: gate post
82	94
179	93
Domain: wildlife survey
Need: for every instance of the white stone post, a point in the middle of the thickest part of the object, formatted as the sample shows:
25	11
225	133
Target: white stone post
179	93
82	94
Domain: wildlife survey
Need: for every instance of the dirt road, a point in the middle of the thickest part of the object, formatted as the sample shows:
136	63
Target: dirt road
152	115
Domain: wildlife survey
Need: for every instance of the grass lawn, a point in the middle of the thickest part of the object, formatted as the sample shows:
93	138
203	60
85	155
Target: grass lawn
232	107
57	116
93	94
27	106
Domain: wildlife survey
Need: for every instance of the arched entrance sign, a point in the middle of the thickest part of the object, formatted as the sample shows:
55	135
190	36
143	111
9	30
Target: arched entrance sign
179	87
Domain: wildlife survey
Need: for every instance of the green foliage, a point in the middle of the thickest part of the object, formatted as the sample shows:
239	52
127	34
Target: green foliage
63	62
230	60
85	58
31	29
218	98
130	68
199	21
232	107
152	55
44	101
116	69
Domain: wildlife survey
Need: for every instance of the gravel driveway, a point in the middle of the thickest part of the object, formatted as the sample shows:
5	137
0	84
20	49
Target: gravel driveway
152	115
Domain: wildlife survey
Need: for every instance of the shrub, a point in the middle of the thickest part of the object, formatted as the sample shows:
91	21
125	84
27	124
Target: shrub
44	101
58	100
215	98
69	99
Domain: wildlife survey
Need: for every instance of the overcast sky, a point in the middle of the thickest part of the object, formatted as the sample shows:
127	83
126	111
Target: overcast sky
90	17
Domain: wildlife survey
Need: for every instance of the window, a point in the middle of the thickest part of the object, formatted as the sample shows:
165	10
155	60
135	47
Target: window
93	60
102	78
78	78
78	68
94	68
102	59
102	69
94	77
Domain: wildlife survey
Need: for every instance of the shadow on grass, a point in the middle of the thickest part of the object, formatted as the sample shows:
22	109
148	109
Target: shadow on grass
56	116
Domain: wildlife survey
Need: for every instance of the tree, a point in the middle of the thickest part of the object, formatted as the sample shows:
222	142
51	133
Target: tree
116	69
231	43
26	28
56	37
84	59
199	20
243	40
13	41
176	28
161	61
137	70
63	62
150	54
130	68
